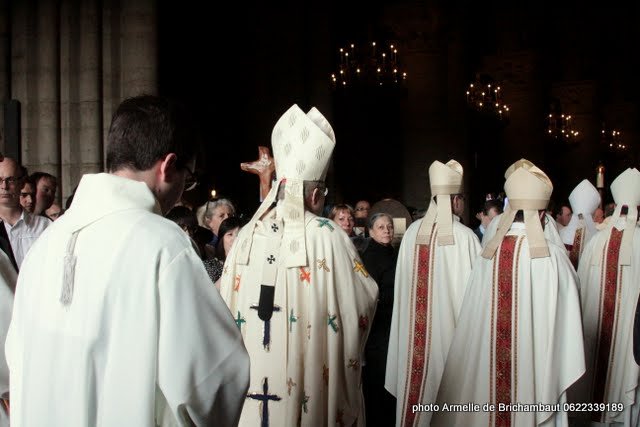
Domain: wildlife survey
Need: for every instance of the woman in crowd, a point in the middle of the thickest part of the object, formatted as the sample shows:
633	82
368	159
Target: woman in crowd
228	230
215	212
343	216
379	258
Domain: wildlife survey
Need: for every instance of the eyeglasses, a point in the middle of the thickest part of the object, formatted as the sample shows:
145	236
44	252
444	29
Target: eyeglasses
362	209
190	181
325	191
10	180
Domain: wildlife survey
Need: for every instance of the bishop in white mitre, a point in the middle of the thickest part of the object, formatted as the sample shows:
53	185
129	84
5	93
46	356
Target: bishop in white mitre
550	229
434	263
609	274
584	200
300	294
518	343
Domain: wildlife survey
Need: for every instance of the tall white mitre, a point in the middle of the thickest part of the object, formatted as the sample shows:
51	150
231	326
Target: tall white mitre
584	200
302	148
626	192
528	189
444	180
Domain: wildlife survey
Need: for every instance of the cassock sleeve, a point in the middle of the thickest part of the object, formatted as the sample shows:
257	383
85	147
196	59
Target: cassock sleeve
203	366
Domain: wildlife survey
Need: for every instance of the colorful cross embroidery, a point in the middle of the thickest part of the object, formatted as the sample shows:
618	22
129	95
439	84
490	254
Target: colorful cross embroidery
359	268
264	398
325	374
292	320
290	384
236	286
331	321
322	263
266	338
324	222
305	400
363	322
305	275
240	320
354	363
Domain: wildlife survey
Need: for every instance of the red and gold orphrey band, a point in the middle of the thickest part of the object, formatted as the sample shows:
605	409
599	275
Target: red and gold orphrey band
606	345
419	353
576	248
504	343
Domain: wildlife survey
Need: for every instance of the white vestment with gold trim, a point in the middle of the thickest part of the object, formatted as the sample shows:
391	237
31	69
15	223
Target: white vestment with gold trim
534	361
443	288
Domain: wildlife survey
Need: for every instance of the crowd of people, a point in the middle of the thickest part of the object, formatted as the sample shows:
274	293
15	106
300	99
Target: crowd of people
135	309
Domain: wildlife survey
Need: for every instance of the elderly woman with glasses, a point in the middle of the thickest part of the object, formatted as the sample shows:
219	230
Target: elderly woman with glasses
379	258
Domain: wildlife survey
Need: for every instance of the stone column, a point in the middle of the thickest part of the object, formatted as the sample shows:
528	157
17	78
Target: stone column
5	57
139	47
433	114
579	99
129	54
35	83
80	104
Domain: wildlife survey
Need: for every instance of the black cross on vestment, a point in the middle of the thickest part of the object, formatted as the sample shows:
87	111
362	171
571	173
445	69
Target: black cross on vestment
265	397
266	338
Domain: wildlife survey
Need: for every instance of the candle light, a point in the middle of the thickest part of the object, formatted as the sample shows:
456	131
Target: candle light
600	177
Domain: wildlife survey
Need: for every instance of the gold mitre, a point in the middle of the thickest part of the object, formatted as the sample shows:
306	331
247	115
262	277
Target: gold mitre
444	180
528	189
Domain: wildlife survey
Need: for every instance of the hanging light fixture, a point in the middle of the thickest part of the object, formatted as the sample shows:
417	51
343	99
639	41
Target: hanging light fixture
370	65
611	138
560	125
484	95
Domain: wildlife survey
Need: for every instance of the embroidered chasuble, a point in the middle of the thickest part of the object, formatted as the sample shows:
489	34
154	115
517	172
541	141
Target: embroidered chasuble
609	292
518	341
429	288
306	359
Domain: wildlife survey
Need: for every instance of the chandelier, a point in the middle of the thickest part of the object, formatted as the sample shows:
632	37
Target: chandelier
369	65
560	125
485	96
612	140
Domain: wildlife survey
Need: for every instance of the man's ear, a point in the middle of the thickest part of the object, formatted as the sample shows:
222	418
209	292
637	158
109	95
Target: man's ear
167	167
315	196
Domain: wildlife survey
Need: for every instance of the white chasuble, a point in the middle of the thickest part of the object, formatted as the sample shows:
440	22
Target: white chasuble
609	293
116	322
518	341
306	360
429	288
